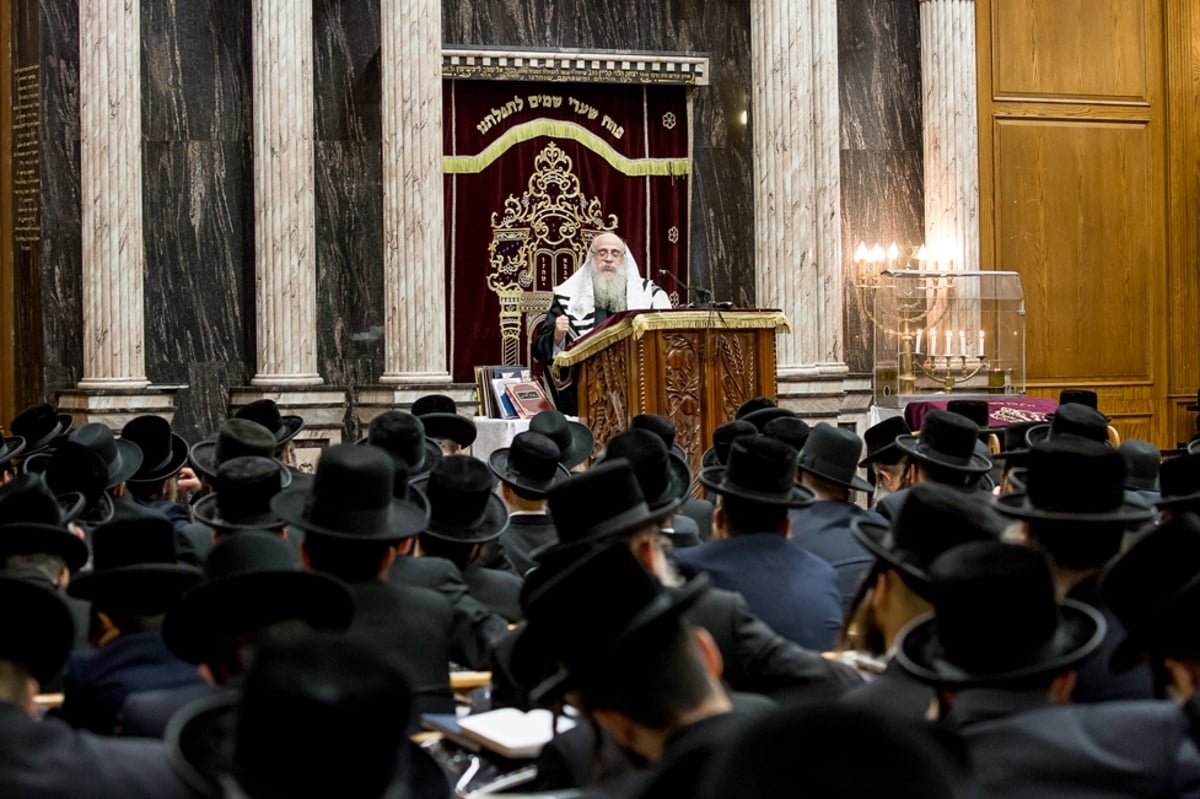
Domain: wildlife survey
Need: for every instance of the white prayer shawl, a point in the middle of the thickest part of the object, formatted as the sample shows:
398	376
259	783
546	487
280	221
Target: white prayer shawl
578	297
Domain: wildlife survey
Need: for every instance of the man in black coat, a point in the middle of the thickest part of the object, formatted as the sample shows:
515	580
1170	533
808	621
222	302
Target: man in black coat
527	470
47	758
352	523
944	451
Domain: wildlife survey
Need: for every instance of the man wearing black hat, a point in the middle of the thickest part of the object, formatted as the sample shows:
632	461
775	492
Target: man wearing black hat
1143	460
155	485
943	452
933	520
527	470
136	577
464	514
664	478
1075	509
47	758
241	500
452	431
575	440
1000	650
885	462
642	675
402	436
283	428
253	592
827	467
1179	485
694	513
353	522
789	588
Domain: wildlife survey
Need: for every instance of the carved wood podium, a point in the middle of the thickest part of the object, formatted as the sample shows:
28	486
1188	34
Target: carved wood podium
693	366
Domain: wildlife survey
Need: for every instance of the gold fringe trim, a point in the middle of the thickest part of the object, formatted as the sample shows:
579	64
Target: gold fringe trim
640	167
641	324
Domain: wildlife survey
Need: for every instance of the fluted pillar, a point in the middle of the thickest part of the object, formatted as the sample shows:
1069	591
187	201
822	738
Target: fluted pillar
951	131
284	209
797	179
113	257
414	280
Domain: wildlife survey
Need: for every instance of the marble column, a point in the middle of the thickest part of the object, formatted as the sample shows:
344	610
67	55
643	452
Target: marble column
113	257
951	130
284	211
414	278
797	183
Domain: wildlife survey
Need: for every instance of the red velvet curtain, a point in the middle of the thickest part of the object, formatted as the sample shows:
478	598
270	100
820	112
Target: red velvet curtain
533	171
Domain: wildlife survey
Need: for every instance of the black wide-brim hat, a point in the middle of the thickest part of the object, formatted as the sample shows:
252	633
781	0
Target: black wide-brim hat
912	445
199	744
487	527
227	606
713	478
431	453
39	425
207	511
122	457
11	447
203	456
156	473
1132	509
452	426
760	417
499	464
404	518
146	589
38	629
921	654
27	538
575	440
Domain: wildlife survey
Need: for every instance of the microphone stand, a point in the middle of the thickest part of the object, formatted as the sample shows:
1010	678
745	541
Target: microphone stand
705	296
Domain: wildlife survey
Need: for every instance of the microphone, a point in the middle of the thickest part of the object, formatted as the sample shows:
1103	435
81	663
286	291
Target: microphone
705	296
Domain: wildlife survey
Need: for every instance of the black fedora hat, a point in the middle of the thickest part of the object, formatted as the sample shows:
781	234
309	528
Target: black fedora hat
72	470
722	438
662	474
164	452
402	436
660	426
1143	461
763	416
529	464
251	581
1071	479
602	502
463	504
242	500
37	629
235	439
575	441
791	430
122	458
1154	590
996	620
831	453
759	469
754	404
1071	419
11	447
934	519
1179	483
305	703
881	438
1014	450
352	497
135	567
39	425
946	440
441	418
266	412
1079	396
975	410
565	623
32	521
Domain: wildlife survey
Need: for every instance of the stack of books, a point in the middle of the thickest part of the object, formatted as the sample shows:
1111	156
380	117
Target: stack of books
509	392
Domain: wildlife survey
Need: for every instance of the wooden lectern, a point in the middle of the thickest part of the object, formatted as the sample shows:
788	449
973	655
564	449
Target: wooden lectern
693	366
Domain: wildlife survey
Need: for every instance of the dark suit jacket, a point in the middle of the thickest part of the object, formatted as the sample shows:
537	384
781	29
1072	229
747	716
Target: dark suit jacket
1021	747
146	713
1095	681
823	528
701	512
49	759
412	626
97	681
496	590
475	628
526	533
894	692
793	591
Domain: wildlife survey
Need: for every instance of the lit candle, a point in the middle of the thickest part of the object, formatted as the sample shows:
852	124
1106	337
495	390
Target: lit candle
933	341
922	256
860	254
980	343
948	341
893	253
917	349
962	343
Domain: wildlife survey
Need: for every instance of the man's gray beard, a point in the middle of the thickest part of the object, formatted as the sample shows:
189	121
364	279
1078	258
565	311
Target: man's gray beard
609	289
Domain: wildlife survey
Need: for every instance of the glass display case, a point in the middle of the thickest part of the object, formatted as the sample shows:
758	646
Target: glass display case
947	334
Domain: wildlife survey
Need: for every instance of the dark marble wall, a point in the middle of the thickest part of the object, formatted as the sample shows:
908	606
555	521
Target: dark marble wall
722	231
879	64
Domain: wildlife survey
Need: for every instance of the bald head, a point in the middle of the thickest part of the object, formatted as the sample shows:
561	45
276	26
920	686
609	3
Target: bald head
607	253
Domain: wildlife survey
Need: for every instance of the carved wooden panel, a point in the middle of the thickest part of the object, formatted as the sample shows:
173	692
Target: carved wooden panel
735	366
682	388
607	388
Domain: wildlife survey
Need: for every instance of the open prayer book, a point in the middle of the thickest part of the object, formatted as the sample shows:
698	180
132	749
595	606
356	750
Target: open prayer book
507	731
